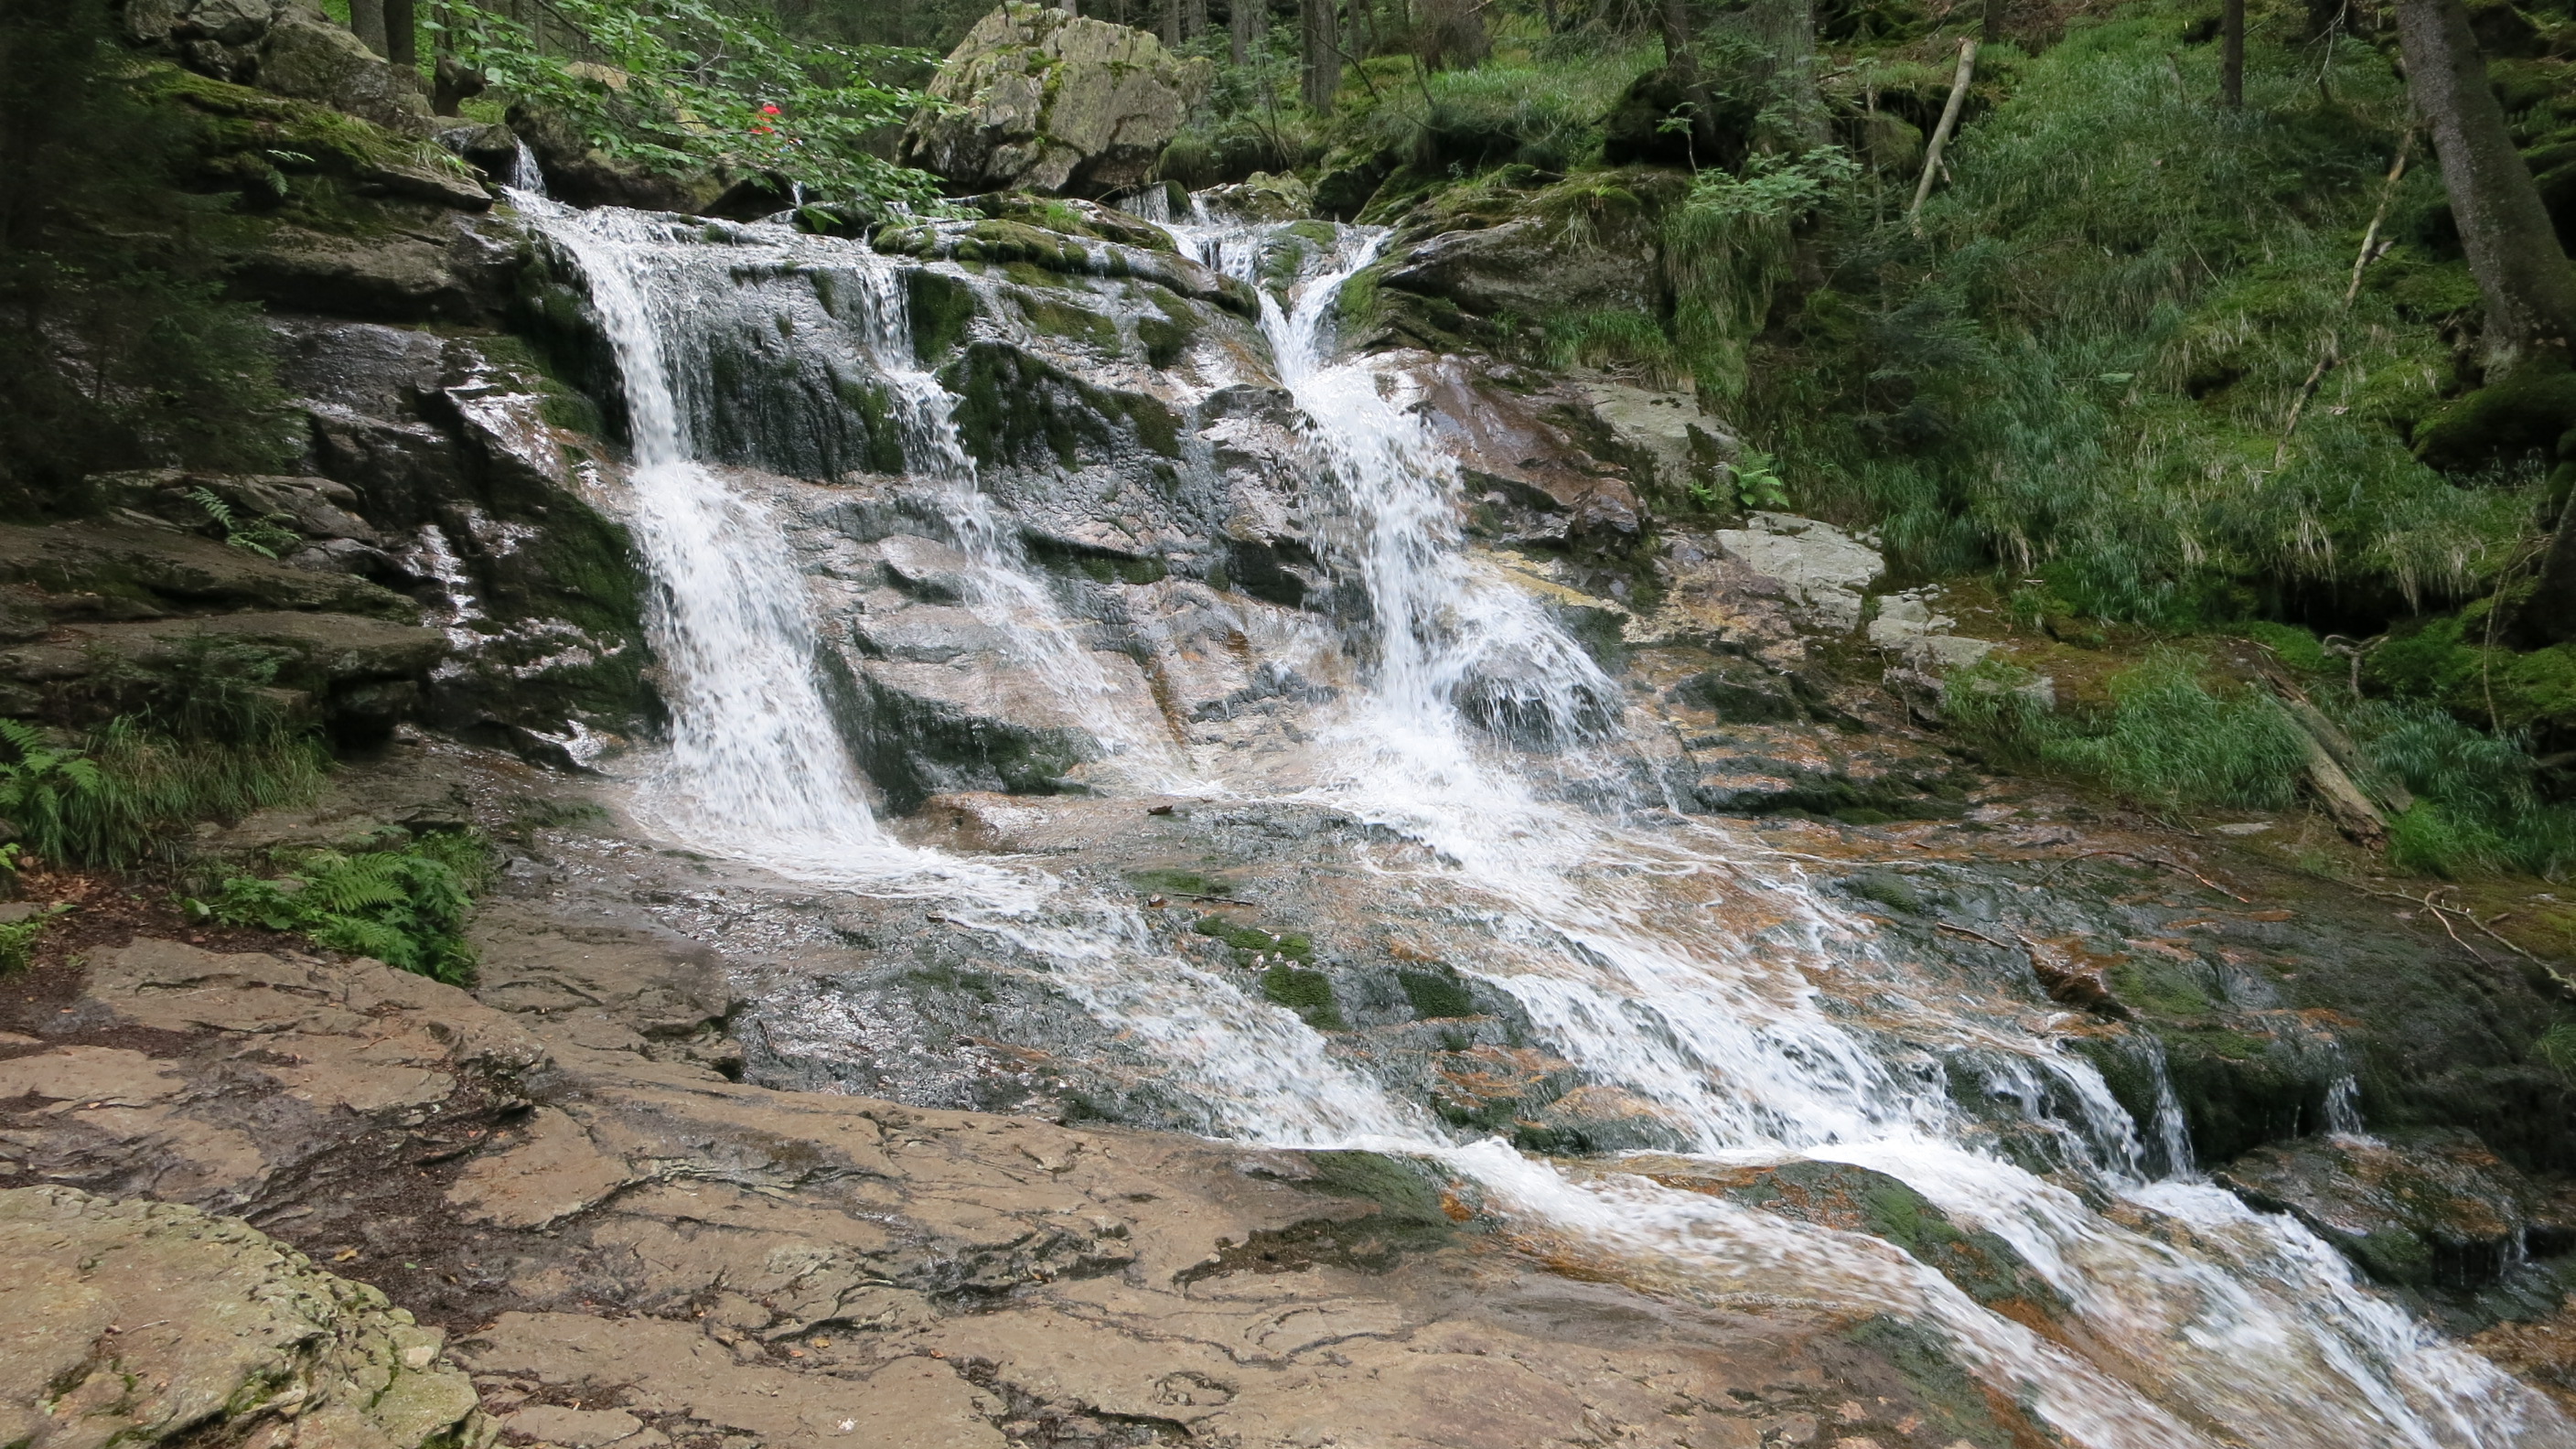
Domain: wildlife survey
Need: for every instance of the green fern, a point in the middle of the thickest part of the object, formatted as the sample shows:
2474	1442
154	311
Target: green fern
404	906
268	535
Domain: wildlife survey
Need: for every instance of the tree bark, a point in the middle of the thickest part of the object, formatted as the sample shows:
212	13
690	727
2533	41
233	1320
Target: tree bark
402	34
1193	19
1321	78
367	21
1171	22
1990	28
1241	17
2231	54
2513	251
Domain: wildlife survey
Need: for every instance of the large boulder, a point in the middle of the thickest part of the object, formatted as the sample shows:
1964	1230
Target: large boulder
1043	101
148	1323
284	47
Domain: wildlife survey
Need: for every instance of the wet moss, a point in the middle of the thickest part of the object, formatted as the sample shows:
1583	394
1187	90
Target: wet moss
1177	882
1051	318
1307	993
1164	342
940	308
1405	1211
1436	994
1251	940
1955	1406
2526	413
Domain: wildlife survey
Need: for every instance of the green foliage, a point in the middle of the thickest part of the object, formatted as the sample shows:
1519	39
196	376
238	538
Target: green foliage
1626	341
1726	253
129	791
268	535
2082	366
117	349
2556	1049
1436	995
2297	647
406	906
680	85
2479	807
18	940
2168	740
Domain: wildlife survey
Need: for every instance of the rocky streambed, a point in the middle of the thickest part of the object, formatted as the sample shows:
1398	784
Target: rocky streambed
1112	836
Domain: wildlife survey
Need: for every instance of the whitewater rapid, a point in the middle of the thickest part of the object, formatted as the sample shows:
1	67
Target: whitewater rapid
2224	1326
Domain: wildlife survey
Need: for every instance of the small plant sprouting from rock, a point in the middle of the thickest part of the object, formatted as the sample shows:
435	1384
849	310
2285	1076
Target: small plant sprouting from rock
267	535
405	905
2556	1049
18	939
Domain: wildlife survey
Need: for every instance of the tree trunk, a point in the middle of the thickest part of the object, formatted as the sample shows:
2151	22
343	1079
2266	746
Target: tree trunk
1959	82
402	34
1990	28
1322	77
2231	55
1241	18
2522	273
1193	19
1683	61
367	20
1171	22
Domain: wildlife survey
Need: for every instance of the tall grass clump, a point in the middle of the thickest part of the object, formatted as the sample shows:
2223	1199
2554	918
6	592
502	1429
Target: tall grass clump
2479	808
2168	740
405	905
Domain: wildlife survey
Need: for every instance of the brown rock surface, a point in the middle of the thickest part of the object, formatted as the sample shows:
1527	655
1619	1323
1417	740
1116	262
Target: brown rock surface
656	1255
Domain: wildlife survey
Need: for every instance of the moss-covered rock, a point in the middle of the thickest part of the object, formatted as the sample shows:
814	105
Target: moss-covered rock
2525	414
1041	99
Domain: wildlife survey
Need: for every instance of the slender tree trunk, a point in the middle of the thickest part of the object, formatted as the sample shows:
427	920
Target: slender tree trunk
402	34
2231	55
1990	27
1241	16
1322	78
367	20
1683	61
1193	19
1171	22
1959	82
2513	251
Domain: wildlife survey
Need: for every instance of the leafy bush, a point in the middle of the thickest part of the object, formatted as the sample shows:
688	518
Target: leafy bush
2168	739
405	906
678	85
18	940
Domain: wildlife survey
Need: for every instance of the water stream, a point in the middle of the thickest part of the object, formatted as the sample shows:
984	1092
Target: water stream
1619	927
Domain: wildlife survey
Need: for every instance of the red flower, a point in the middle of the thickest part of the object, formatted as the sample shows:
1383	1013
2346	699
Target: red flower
769	110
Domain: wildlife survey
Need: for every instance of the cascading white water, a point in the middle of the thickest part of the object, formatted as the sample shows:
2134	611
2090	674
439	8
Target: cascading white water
2257	1331
2223	1327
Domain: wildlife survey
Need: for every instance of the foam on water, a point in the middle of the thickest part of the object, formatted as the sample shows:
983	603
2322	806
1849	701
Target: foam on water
2204	1323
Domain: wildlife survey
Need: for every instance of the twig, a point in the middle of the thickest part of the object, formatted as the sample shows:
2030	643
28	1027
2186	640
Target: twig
2371	251
1941	132
2051	873
2444	917
1977	936
2486	928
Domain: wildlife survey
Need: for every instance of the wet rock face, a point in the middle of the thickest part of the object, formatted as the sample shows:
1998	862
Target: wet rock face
484	506
1051	103
2427	1209
146	1323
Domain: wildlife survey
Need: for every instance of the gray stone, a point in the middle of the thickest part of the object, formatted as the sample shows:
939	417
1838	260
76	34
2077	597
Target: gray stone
1524	267
1048	102
1818	566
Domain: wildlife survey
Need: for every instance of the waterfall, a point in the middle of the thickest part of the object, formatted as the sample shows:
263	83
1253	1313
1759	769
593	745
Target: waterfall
1667	957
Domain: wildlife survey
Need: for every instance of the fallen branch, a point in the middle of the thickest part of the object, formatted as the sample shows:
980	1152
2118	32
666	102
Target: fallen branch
2371	250
2051	873
1941	132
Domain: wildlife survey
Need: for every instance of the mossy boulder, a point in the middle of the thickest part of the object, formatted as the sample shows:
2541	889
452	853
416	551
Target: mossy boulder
2523	415
1042	100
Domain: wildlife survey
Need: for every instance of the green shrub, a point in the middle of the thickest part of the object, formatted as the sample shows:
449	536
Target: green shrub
18	940
405	906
